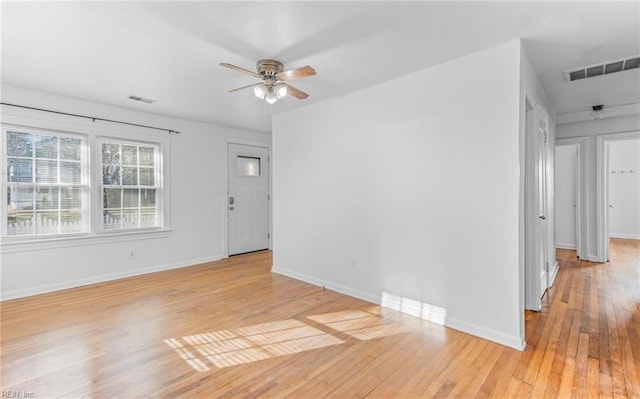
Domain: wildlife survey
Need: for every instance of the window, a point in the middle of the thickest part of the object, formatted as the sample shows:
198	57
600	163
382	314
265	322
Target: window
248	166
130	186
46	183
50	189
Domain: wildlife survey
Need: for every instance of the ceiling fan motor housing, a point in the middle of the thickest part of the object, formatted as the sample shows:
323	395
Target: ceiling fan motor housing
269	68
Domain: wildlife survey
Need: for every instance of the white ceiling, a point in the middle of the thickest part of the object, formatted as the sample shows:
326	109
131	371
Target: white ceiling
170	51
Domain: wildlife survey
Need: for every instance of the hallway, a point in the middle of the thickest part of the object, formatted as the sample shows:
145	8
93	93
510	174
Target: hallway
586	340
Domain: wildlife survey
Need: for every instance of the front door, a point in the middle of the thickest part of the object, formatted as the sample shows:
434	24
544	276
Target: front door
248	198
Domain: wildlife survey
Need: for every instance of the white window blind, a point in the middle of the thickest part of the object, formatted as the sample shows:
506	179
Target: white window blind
131	185
45	184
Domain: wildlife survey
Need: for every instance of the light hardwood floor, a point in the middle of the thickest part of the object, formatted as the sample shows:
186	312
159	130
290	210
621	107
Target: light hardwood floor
233	329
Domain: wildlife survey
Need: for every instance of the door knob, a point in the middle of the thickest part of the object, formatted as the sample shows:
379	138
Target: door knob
542	217
231	208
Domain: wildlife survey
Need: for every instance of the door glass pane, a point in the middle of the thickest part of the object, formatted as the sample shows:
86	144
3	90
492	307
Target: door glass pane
248	166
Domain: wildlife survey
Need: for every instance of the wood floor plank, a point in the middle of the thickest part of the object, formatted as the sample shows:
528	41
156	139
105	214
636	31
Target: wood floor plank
233	329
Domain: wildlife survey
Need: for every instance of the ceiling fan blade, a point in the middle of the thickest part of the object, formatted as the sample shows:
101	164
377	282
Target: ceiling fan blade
246	87
237	68
299	94
298	73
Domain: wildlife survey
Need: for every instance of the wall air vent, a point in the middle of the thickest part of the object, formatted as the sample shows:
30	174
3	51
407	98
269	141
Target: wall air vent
141	99
590	71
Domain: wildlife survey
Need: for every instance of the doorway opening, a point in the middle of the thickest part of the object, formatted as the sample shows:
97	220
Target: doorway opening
571	222
617	189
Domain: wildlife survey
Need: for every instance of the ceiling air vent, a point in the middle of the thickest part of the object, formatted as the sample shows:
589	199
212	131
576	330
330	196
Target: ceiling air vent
141	99
590	71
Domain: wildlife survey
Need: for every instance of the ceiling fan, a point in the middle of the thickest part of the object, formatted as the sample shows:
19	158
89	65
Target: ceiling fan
273	86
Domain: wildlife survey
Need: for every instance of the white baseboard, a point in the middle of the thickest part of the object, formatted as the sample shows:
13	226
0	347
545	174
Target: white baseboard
566	246
625	236
435	314
553	273
43	289
594	258
486	333
365	296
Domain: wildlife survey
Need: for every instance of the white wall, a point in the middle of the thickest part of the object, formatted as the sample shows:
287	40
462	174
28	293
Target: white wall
198	192
624	189
408	193
565	196
591	129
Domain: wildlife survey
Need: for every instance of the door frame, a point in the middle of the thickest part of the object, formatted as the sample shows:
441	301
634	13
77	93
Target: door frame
602	189
544	208
537	154
582	221
253	143
533	236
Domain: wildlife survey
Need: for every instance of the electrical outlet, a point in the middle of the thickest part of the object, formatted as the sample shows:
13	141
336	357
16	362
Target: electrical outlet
132	254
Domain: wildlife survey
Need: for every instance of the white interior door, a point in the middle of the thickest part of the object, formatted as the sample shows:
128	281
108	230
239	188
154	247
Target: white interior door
248	198
536	274
542	235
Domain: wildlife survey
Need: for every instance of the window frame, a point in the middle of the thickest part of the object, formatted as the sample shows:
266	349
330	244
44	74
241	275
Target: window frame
84	185
158	180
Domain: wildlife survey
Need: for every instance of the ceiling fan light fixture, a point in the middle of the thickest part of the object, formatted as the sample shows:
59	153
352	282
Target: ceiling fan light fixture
259	92
281	90
270	96
272	74
597	112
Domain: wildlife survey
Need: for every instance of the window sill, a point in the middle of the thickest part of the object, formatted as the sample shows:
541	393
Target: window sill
39	244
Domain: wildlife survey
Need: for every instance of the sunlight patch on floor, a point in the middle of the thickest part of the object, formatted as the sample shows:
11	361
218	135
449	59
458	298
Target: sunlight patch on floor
426	311
242	345
362	324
